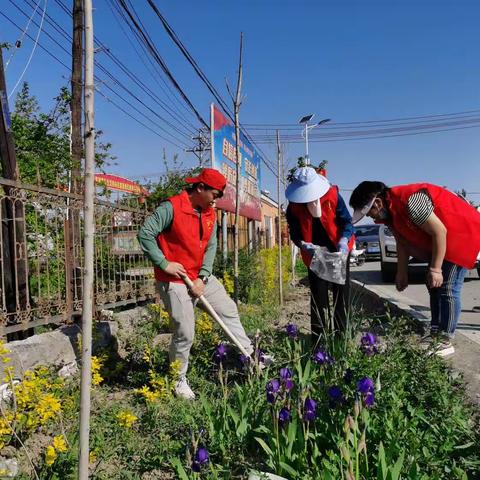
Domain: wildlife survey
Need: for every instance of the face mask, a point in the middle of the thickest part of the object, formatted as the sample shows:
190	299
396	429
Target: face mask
383	214
314	208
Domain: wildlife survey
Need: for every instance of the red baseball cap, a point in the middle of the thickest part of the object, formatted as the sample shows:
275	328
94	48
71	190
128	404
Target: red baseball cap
211	177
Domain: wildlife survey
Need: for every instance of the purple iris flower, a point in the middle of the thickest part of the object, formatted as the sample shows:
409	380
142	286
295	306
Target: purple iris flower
220	353
368	339
284	416
369	344
200	458
309	410
322	358
365	385
288	384
272	388
292	330
285	373
335	393
244	359
369	399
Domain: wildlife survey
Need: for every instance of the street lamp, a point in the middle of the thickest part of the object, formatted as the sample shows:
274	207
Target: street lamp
304	121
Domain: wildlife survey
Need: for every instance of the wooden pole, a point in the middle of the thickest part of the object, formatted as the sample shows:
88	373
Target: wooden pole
89	220
279	225
236	108
15	267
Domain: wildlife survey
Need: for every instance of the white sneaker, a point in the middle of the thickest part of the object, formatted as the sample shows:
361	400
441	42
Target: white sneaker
444	349
183	390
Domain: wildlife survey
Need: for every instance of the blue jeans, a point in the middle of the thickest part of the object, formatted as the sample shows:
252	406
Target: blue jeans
445	301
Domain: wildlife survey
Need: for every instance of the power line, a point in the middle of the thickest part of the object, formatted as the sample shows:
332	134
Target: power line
144	87
18	43
100	92
176	115
154	52
205	80
65	35
32	53
295	126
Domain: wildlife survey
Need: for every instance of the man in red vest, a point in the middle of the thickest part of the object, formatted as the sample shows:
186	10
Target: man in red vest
434	225
180	239
318	216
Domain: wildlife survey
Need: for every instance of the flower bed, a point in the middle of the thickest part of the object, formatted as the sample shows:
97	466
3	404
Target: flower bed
367	404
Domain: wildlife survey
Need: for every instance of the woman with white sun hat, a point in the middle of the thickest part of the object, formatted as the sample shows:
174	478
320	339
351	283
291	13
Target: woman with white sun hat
317	216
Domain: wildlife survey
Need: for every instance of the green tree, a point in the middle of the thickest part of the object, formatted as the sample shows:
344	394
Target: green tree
170	183
42	140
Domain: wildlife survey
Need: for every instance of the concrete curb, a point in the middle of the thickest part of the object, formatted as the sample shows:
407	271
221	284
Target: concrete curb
374	299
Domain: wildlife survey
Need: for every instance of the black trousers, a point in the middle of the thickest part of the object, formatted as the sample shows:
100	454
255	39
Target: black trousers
323	315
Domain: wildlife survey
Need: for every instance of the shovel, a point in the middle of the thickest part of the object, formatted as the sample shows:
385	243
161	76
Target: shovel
215	316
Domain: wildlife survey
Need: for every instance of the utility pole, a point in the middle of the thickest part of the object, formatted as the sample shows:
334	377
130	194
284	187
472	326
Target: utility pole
279	226
89	220
13	231
237	102
72	230
77	90
202	147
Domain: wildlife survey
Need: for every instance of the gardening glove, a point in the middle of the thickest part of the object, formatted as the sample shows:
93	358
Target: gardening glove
343	245
308	247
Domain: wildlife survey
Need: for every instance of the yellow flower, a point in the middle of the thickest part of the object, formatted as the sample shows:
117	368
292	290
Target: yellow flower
50	456
96	366
59	444
48	407
204	324
228	283
149	395
126	418
147	354
174	369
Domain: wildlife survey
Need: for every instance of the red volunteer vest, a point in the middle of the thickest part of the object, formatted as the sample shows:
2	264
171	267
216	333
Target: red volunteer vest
461	220
329	212
186	240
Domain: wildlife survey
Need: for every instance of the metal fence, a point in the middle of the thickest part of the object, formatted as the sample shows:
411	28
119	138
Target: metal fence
41	256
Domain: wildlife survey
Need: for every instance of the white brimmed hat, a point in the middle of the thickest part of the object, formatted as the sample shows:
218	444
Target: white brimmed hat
307	185
359	213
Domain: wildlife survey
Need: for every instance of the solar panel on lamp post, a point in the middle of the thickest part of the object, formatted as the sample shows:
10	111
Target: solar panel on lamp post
304	121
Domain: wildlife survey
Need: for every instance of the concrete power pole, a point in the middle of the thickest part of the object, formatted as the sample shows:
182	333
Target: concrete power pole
89	219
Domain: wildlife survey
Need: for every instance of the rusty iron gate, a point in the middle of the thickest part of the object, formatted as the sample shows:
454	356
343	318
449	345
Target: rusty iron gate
41	255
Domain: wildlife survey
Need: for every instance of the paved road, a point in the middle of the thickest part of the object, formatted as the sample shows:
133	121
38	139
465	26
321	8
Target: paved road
417	297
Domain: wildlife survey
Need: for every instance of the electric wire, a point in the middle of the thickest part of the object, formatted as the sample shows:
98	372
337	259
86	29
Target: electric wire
18	43
32	52
58	60
121	85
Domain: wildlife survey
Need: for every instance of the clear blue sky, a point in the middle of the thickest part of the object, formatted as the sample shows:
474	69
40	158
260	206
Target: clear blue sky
348	60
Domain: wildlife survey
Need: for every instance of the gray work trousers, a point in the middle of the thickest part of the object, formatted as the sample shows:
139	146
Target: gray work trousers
180	306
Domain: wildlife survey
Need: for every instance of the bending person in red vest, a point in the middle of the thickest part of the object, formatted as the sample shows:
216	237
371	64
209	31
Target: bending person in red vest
436	226
180	239
318	216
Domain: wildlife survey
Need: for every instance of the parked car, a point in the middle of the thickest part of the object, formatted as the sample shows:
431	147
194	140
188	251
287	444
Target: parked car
388	256
367	238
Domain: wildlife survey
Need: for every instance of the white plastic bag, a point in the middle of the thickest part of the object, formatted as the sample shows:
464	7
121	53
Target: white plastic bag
330	266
